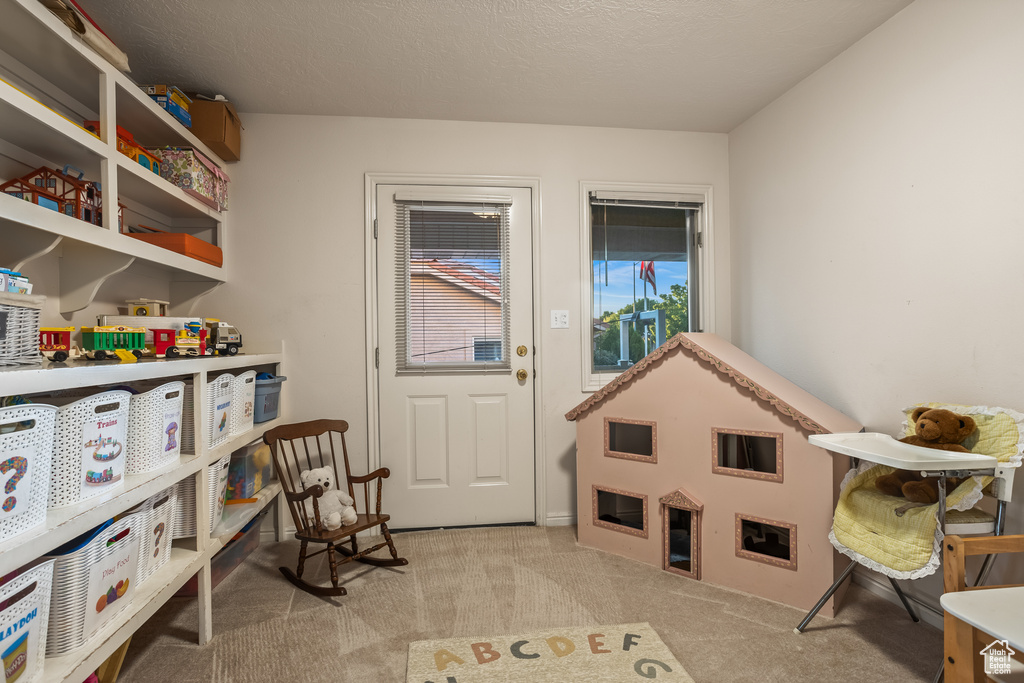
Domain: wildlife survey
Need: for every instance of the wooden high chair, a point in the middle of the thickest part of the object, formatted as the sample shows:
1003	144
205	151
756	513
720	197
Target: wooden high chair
306	445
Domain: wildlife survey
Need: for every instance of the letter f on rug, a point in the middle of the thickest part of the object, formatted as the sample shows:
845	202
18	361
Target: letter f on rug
622	652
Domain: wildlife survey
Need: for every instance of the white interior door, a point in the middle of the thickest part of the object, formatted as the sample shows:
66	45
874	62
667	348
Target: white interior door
455	344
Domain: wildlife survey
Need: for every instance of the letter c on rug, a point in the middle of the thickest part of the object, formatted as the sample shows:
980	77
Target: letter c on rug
518	653
561	646
443	657
595	644
484	652
650	671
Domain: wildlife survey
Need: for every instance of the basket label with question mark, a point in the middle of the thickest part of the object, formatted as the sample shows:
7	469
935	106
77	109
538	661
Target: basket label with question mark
17	478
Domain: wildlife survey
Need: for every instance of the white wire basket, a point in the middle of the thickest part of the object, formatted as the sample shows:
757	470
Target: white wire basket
154	425
243	402
89	447
185	513
157	514
94	579
218	410
26	455
26	600
19	328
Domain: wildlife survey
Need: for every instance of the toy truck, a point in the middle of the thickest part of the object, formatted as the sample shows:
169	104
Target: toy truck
221	337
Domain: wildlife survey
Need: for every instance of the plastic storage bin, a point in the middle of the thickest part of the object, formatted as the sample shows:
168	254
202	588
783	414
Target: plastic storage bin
89	447
218	410
268	394
19	328
185	512
249	472
94	578
156	518
243	397
230	556
26	454
154	424
23	622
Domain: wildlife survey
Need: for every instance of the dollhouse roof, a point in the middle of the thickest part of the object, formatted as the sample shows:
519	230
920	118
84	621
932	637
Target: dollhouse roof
720	356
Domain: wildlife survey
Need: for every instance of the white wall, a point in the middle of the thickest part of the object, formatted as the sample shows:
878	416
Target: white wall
296	245
877	219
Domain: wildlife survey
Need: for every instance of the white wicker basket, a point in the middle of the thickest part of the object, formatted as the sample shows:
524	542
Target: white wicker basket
188	419
90	436
243	401
185	513
25	648
154	423
19	328
157	517
218	410
87	573
26	448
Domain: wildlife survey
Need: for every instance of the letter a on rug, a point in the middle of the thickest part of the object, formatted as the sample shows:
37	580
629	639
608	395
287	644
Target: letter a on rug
622	652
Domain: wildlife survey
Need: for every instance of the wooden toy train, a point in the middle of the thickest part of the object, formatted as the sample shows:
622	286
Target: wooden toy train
120	336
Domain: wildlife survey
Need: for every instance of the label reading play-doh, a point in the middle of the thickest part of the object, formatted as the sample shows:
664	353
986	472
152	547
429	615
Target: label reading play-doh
112	579
16	659
103	459
16	475
222	419
172	425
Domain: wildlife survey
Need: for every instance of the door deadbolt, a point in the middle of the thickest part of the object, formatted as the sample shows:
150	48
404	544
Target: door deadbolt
522	375
521	350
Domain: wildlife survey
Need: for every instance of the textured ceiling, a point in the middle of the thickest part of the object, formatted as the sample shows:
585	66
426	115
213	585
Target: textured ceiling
695	65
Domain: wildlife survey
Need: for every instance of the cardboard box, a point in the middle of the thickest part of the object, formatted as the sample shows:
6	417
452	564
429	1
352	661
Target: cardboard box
183	100
217	124
174	109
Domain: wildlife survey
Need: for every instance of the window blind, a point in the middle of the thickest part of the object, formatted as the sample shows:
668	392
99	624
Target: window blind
452	275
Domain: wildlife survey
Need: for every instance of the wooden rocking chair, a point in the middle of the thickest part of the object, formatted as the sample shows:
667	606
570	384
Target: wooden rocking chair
306	445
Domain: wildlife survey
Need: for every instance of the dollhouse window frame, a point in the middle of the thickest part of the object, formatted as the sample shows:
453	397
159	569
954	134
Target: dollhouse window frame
742	552
626	455
621	528
695	537
776	476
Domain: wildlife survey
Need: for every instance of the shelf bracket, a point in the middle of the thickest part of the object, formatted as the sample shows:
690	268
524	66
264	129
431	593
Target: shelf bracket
21	244
185	296
83	269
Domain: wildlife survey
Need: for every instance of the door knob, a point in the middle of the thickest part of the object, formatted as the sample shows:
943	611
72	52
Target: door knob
522	375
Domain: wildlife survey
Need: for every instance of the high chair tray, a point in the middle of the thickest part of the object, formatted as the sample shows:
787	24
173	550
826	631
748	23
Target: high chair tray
885	450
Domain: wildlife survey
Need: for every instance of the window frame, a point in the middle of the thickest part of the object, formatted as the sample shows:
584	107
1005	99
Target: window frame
776	476
743	553
595	381
621	528
626	455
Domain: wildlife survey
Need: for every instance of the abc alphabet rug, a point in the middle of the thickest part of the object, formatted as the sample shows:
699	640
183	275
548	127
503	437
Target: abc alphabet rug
602	654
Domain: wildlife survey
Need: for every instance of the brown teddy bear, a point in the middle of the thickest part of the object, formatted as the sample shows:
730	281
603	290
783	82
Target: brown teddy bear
934	428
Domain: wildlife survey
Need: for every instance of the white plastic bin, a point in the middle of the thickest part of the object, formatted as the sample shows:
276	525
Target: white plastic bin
218	410
185	513
19	328
23	622
94	578
154	428
156	519
243	398
89	447
26	454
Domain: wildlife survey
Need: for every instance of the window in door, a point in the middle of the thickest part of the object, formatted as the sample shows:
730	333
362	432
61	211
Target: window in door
451	298
644	254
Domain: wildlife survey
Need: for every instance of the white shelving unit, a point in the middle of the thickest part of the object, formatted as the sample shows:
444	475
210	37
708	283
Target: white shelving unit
50	82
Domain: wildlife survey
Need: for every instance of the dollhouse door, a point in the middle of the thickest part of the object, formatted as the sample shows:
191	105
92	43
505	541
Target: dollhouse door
455	354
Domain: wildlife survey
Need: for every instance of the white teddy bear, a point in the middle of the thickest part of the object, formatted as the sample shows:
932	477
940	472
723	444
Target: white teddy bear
336	506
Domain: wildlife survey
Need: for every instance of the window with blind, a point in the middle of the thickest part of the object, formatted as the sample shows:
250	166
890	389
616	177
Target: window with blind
452	288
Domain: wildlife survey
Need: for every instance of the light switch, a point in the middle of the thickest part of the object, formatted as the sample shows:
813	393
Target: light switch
559	320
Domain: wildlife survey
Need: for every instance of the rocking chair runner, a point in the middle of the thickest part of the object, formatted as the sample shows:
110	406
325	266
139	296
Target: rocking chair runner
306	445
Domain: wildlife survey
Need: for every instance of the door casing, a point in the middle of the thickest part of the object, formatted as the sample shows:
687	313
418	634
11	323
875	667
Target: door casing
372	180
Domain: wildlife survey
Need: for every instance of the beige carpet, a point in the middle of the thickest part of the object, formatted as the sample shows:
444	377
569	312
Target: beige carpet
618	653
460	583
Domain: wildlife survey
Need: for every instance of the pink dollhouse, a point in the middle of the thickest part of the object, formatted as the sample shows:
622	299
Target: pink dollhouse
696	460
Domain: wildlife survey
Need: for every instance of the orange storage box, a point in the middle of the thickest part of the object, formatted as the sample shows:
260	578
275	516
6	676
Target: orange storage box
188	245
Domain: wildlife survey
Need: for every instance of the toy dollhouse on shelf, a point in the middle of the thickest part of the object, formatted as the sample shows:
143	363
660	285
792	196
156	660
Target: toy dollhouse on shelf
62	192
696	460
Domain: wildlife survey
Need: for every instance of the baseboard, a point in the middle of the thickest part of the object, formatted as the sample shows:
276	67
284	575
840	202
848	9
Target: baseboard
874	583
560	520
